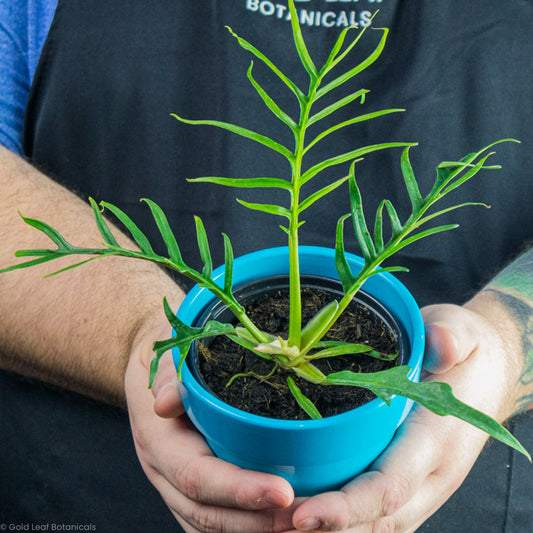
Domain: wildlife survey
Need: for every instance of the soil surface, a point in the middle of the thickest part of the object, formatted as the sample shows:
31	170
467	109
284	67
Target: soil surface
221	358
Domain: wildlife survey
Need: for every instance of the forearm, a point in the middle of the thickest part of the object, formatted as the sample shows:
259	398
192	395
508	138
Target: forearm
76	329
507	301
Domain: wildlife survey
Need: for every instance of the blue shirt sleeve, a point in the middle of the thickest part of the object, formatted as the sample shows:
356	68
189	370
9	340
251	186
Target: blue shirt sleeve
24	26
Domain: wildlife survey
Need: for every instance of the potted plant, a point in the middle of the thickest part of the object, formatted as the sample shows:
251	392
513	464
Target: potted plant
301	450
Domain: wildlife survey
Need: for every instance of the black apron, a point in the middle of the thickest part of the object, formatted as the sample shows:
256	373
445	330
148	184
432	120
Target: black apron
98	120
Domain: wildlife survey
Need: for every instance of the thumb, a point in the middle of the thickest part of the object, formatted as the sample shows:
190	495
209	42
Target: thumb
451	336
167	403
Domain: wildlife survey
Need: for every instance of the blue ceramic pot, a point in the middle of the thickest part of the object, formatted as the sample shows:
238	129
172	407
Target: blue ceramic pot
313	455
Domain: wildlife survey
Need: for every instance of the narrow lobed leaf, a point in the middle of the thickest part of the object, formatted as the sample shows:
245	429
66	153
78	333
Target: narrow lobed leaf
228	265
267	208
48	255
139	237
330	62
245	183
410	181
396	225
303	401
435	396
348	156
253	50
378	228
427	218
242	132
185	335
50	232
102	225
337	105
301	47
310	200
203	246
344	271
426	233
336	59
269	102
166	232
334	349
358	218
350	122
340	80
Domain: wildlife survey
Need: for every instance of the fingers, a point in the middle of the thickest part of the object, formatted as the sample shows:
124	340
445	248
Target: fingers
451	336
378	493
206	492
408	483
167	399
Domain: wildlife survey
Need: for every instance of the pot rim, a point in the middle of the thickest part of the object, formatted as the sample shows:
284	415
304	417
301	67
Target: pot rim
192	386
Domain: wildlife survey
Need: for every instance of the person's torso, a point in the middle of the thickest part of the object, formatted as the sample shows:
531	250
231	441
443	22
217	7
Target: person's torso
111	73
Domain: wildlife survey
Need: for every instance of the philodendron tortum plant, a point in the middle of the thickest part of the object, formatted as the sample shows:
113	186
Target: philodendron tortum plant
304	343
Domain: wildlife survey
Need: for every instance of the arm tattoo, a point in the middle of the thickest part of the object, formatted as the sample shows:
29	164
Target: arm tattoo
514	288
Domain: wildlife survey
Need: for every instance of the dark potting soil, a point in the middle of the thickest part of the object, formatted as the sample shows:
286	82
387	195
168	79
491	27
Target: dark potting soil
222	359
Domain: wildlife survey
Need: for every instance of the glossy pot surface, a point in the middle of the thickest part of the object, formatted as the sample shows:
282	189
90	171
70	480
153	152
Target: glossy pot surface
313	455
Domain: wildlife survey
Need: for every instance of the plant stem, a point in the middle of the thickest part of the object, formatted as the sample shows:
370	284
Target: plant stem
295	319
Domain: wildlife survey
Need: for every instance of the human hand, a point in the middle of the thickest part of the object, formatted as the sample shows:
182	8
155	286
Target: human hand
430	456
204	493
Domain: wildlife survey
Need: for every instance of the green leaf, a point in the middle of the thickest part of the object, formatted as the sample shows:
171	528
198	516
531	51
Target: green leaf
102	225
278	112
359	221
267	208
245	183
410	181
333	349
70	267
392	269
246	339
184	336
252	49
396	225
427	233
228	265
340	80
310	200
355	120
378	228
435	396
242	132
316	328
203	246
423	220
465	177
346	277
139	237
303	401
330	62
164	228
301	47
443	175
335	58
347	156
337	105
47	255
50	232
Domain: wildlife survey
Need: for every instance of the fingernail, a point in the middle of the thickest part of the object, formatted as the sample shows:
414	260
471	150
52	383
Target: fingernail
275	498
442	348
309	524
159	387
